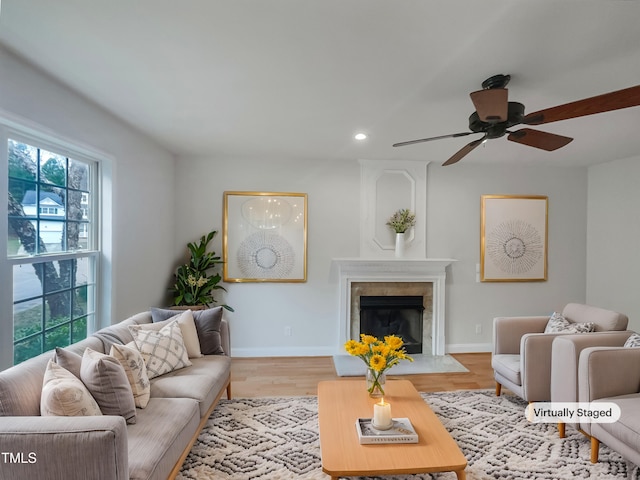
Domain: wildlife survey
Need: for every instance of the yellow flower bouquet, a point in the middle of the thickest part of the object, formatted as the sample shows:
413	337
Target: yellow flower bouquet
378	355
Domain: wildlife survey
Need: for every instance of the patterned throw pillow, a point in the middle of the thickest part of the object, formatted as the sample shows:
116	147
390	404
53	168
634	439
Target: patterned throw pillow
107	381
163	351
633	341
63	394
187	328
558	324
133	363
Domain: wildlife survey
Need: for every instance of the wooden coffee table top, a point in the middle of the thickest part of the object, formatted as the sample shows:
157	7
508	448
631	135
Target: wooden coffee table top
341	402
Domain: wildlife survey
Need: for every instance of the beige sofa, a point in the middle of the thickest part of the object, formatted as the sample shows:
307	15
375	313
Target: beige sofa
106	447
521	356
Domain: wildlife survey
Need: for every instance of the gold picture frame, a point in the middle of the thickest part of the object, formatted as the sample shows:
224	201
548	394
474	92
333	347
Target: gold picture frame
264	237
513	238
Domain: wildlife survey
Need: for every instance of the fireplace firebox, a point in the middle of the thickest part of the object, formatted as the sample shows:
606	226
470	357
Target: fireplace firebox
394	315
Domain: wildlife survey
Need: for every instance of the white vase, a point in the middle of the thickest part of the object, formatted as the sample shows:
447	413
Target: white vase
399	245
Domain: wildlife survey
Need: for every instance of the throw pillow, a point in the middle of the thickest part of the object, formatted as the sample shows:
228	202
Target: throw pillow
107	381
207	325
163	351
133	363
63	394
68	360
187	328
633	341
558	324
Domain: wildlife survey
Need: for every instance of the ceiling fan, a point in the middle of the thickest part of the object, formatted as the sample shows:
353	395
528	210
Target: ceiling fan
495	115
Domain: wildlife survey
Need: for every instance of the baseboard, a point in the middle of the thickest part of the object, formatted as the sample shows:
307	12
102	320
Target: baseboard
284	352
330	351
469	348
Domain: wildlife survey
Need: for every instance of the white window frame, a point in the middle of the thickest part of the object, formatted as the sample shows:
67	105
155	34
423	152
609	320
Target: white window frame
12	127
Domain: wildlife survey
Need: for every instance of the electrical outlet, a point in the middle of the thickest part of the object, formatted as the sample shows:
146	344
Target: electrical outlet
287	331
478	329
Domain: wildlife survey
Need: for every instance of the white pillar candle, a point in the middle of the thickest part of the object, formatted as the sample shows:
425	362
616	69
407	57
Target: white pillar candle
382	414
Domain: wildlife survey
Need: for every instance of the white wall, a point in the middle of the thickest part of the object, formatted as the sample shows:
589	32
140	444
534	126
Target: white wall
142	229
614	237
453	231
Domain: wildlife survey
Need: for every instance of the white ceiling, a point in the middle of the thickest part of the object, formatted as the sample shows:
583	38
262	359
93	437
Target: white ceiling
298	78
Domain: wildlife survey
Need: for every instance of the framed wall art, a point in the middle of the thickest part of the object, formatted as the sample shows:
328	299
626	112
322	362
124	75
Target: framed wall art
513	238
264	237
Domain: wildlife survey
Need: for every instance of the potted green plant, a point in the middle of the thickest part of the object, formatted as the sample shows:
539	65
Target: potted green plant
194	285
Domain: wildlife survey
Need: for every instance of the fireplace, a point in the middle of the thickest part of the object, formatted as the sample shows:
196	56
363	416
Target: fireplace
400	315
358	277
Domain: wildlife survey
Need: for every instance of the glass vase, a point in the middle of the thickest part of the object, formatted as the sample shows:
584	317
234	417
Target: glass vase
375	383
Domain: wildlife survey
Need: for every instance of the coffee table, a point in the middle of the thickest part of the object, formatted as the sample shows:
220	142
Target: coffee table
340	402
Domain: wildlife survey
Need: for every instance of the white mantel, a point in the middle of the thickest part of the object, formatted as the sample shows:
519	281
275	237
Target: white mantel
349	270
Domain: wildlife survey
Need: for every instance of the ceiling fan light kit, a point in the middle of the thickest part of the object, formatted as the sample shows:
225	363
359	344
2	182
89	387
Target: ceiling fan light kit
495	114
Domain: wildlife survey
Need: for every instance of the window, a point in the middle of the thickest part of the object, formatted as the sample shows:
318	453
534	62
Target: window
52	246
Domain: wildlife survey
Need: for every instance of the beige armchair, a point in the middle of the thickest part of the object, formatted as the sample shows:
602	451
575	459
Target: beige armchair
521	356
610	374
565	356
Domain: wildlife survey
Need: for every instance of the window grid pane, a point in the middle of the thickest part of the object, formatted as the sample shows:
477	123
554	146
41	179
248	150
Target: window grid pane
49	199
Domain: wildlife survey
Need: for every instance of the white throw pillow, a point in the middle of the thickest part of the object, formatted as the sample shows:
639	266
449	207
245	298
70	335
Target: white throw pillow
633	341
133	363
63	394
558	324
164	351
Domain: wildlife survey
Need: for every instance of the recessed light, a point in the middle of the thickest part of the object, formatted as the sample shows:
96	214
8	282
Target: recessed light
360	136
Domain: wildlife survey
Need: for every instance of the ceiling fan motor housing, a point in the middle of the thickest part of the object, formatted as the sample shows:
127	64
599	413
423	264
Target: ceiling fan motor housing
497	130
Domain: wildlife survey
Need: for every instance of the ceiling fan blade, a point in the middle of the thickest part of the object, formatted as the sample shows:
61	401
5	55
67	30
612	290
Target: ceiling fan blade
628	97
453	135
464	151
536	138
491	104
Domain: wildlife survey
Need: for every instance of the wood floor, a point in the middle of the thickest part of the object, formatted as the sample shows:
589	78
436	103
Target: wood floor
290	376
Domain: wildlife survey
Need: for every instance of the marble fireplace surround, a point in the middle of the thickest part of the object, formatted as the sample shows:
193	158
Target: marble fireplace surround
393	271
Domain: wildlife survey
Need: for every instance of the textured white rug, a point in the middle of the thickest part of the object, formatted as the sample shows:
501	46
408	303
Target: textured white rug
350	366
277	439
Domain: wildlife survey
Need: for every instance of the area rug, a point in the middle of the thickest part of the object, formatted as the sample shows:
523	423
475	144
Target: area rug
277	439
349	366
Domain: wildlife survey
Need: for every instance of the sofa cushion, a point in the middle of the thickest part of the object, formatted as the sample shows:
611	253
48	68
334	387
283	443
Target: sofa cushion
163	351
107	381
118	334
157	441
63	394
68	360
133	363
207	322
187	328
559	324
202	381
21	386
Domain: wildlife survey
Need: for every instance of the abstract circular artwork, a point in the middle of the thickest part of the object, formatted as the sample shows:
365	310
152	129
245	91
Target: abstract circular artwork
265	255
515	246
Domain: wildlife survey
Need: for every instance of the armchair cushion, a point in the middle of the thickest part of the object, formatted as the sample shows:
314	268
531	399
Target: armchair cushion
508	366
